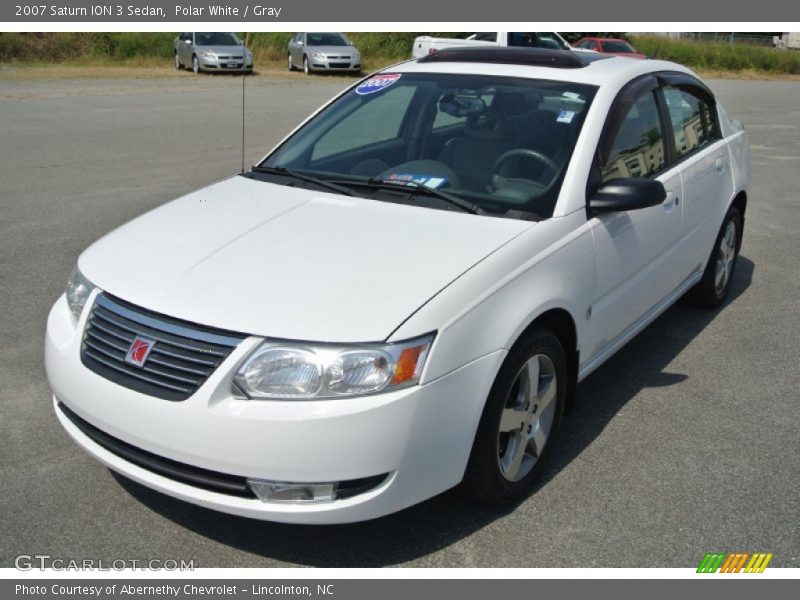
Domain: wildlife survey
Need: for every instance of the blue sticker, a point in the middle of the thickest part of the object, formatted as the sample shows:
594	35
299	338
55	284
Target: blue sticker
415	179
376	84
565	116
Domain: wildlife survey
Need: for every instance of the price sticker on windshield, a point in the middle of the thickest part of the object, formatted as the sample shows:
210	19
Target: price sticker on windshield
376	84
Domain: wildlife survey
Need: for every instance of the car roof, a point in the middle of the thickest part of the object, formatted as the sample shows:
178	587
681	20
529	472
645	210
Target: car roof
606	70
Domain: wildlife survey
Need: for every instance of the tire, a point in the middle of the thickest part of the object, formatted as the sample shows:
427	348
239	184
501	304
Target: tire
195	65
178	65
491	476
306	69
715	284
290	63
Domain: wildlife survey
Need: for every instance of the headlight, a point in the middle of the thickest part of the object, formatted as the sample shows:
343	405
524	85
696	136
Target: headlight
208	54
295	370
318	55
78	291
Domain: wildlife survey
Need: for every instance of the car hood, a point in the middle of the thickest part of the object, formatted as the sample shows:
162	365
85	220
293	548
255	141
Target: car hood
335	50
222	50
286	262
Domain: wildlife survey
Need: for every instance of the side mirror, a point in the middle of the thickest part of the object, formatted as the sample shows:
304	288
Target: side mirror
300	42
620	195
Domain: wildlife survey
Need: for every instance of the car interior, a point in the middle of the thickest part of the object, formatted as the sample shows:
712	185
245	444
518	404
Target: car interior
502	147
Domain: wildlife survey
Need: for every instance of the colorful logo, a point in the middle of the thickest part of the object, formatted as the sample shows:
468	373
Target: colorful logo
139	351
376	84
734	562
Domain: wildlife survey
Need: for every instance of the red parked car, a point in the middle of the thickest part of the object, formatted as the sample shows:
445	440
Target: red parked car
608	46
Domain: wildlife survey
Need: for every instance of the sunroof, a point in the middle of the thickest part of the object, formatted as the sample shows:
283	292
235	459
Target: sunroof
539	57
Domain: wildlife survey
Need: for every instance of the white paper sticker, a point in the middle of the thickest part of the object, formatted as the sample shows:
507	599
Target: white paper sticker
565	116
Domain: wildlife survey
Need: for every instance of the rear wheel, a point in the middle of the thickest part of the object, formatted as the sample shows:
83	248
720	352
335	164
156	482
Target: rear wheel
521	416
713	288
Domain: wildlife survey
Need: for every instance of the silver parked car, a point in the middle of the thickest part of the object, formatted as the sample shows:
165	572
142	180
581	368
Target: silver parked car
323	52
211	52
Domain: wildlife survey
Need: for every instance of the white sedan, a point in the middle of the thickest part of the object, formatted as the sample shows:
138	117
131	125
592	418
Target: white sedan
403	295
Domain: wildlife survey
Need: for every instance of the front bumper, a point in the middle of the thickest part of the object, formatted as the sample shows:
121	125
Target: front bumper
420	436
330	64
217	64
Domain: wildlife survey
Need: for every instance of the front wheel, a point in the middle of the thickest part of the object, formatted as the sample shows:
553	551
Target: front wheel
290	63
306	68
522	413
195	65
178	64
713	288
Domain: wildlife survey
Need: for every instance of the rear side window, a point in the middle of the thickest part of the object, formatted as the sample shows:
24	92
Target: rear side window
693	120
638	147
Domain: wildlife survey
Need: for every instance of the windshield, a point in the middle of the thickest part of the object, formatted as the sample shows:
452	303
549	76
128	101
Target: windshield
216	39
325	39
617	46
500	143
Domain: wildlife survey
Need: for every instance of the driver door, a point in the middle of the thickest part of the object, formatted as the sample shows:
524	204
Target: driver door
635	265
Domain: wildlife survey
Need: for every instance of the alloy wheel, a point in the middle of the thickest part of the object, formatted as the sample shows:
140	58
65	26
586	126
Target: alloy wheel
527	419
726	255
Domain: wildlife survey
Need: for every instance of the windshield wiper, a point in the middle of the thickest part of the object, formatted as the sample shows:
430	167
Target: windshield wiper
464	205
340	189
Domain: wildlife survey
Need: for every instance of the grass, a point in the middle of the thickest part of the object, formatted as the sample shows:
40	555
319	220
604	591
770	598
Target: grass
107	52
720	56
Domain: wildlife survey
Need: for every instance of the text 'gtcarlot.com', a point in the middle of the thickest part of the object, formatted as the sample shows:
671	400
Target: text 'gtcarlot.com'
29	562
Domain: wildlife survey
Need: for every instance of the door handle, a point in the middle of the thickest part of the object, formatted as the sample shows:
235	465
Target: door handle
670	202
719	164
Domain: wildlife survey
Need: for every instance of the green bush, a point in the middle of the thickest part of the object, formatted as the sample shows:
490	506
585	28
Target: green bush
377	48
720	56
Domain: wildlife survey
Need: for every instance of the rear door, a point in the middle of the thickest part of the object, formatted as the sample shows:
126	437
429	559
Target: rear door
635	270
704	163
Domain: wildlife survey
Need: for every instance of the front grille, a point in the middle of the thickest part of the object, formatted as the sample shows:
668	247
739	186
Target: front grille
229	57
339	65
183	357
224	483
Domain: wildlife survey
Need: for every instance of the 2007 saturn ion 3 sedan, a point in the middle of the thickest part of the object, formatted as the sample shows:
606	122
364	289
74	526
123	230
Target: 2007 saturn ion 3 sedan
403	295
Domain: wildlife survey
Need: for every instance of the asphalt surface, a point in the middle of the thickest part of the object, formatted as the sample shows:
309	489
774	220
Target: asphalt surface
685	442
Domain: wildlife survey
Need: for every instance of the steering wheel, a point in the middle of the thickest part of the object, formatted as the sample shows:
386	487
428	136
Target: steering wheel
499	181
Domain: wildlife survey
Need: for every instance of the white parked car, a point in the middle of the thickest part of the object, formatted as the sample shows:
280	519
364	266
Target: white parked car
425	44
403	295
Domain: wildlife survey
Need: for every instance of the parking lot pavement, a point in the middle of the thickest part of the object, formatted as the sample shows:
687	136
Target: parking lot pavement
685	442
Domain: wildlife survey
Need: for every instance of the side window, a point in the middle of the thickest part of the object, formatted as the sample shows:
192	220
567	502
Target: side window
693	120
379	120
638	148
486	37
186	36
592	45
